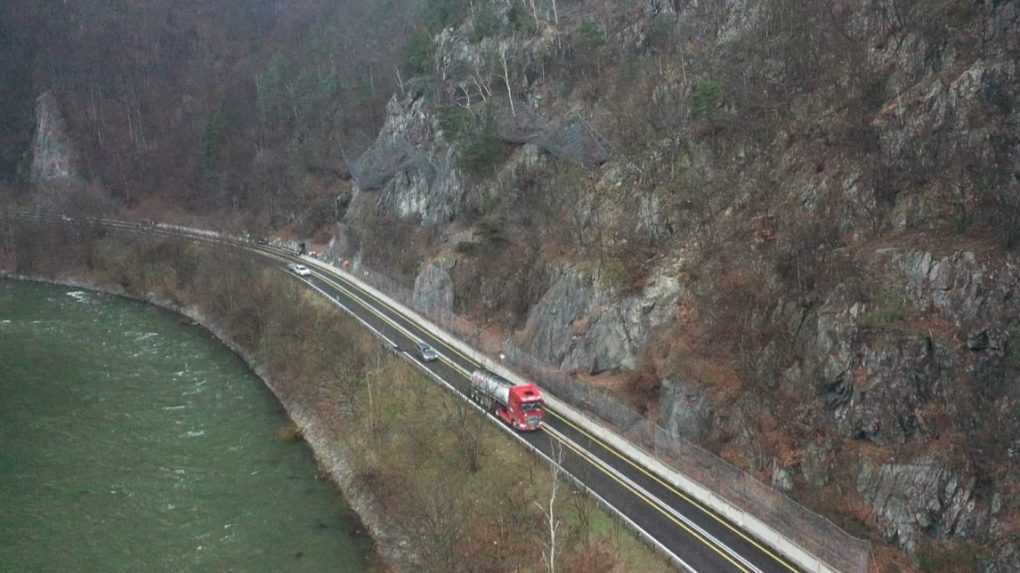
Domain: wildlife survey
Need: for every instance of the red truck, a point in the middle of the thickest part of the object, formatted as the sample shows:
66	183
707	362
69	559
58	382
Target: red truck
520	407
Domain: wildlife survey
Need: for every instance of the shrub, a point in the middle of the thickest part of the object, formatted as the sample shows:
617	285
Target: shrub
212	149
441	14
481	152
521	21
705	99
886	308
486	23
588	42
1006	221
289	433
590	36
1013	347
474	135
613	274
660	33
873	95
953	557
491	231
467	248
455	121
645	386
418	52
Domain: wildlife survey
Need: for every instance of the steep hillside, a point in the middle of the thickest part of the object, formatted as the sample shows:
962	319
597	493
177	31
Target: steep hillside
237	109
786	231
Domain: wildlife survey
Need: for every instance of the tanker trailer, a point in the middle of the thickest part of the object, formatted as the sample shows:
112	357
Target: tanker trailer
520	407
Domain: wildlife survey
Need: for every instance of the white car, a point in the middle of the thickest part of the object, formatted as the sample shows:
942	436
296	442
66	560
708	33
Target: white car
427	353
299	270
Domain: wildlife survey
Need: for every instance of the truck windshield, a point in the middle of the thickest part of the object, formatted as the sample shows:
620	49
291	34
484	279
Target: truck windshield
531	406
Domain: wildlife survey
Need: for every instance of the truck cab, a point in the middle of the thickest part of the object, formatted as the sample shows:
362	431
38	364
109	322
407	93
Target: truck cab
526	408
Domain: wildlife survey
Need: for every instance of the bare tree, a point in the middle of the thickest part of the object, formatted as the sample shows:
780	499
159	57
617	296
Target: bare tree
583	508
504	47
552	522
437	523
369	379
466	425
400	80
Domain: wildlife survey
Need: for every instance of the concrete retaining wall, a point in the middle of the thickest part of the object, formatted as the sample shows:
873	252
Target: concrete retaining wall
749	523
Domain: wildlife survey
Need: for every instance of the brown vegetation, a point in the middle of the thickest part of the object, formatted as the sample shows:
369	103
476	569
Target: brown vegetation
445	476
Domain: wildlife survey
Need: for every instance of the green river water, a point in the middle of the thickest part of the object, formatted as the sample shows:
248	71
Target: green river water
132	442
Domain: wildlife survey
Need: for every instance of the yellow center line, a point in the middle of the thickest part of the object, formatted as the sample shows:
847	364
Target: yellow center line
380	301
679	493
329	279
357	299
591	461
587	456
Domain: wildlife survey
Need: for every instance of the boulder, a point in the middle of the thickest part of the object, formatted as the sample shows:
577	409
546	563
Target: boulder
413	172
575	140
685	411
579	324
433	288
782	478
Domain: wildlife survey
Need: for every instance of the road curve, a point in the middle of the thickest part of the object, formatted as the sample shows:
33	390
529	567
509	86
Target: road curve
693	537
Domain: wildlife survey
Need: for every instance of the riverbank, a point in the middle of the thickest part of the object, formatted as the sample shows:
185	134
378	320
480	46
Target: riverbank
128	422
438	487
392	547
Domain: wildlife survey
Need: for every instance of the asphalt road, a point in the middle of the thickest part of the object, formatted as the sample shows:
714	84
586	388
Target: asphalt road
696	538
699	538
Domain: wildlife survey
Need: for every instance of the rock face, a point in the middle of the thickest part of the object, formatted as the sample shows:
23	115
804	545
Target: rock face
911	347
577	141
1006	559
685	411
892	378
920	497
433	288
816	466
408	171
580	325
877	381
54	158
969	293
572	139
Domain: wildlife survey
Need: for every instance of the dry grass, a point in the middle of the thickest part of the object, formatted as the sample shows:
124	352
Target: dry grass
289	433
404	435
886	559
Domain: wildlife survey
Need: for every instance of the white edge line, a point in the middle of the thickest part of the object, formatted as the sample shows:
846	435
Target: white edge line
613	472
648	538
177	230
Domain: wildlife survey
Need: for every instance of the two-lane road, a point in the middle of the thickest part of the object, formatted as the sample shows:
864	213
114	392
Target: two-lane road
695	538
698	539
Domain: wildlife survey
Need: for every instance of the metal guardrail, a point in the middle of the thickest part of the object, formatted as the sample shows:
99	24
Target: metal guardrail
214	237
814	534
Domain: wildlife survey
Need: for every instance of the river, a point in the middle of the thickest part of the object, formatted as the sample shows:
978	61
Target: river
130	441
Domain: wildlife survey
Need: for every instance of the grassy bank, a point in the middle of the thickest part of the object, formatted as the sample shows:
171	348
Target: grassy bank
464	496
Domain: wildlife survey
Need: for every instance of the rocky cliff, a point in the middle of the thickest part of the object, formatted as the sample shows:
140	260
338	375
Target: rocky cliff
787	231
800	220
54	156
